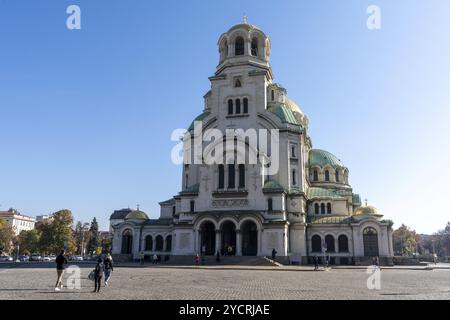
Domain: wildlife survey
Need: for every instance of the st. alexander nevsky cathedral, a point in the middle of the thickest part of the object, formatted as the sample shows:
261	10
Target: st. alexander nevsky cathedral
304	209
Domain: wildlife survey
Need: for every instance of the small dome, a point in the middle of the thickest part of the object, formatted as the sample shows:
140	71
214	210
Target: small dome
322	158
137	214
367	211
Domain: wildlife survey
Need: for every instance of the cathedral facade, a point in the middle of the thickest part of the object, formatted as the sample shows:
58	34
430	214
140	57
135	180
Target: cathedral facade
304	208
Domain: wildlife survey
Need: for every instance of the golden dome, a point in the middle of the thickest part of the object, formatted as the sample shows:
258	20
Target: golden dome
367	211
293	106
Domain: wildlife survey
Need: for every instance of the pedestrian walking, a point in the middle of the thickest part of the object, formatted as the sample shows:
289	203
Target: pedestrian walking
274	253
197	259
155	259
230	250
98	272
108	262
316	263
142	257
61	262
218	256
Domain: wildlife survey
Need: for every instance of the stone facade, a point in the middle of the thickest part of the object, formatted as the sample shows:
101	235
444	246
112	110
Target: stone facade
306	208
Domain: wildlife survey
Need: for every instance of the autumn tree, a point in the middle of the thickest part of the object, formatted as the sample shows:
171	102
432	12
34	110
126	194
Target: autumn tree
7	236
405	241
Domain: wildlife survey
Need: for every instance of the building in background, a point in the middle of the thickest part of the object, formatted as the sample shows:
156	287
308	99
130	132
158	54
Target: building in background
18	221
44	217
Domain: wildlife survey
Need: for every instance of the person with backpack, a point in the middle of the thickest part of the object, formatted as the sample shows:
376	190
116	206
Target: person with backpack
98	274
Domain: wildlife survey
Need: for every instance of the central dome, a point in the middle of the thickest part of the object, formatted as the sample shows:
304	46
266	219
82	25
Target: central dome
293	106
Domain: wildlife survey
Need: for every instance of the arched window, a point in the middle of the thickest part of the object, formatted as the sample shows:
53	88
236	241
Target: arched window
327	175
336	173
316	243
148	243
192	206
329	240
316	208
231	176
322	208
315	175
238	106
328	207
370	240
221	176
241	176
254	47
343	243
230	106
245	105
159	243
270	204
294	177
239	46
273	95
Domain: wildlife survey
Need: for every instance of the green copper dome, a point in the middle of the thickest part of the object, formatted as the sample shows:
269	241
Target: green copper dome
322	158
137	214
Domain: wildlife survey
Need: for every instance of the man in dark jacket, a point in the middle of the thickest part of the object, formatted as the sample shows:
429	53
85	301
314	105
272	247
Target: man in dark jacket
274	254
61	261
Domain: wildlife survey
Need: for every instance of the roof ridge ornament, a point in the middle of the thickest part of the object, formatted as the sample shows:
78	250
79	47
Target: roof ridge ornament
245	19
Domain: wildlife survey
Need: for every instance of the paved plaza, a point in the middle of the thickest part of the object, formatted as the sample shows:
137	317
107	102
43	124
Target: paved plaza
160	282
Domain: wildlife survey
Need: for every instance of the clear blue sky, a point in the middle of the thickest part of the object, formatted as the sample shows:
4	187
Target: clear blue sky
86	115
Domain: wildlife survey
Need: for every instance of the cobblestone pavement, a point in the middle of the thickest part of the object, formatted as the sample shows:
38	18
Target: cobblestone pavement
182	283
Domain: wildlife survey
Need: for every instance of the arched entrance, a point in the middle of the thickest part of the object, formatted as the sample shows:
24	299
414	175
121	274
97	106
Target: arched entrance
208	238
127	242
249	239
228	238
370	239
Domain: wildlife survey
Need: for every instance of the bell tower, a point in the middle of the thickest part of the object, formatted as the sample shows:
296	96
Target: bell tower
244	44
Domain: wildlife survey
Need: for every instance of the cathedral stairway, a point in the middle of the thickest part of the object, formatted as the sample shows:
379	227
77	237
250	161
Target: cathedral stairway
224	261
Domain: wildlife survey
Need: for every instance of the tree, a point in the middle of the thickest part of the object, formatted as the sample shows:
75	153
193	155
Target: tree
29	241
405	241
57	234
81	236
7	236
94	240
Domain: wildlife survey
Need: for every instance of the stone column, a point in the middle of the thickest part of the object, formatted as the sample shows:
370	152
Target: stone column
218	240
258	247
336	245
154	244
164	245
238	243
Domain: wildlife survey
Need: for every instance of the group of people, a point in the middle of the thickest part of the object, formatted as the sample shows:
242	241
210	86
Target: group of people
104	267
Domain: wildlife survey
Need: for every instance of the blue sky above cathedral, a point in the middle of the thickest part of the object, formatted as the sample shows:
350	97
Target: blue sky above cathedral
87	114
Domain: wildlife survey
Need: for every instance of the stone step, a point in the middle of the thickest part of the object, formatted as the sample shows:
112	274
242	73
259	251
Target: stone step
224	260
